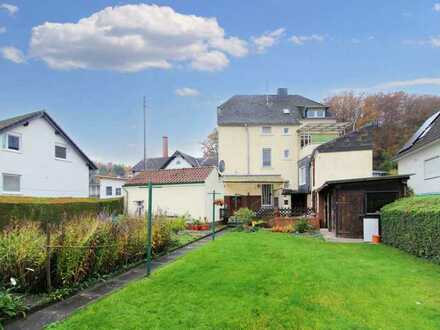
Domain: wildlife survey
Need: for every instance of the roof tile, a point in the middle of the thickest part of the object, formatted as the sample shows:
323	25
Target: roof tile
174	176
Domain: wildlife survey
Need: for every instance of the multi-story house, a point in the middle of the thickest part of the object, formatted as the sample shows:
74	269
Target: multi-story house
37	158
261	140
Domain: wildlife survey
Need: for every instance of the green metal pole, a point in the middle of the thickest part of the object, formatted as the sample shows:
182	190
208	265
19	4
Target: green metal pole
213	215
149	226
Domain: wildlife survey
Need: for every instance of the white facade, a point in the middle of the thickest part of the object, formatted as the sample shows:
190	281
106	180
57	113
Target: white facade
110	187
193	199
424	164
178	162
34	170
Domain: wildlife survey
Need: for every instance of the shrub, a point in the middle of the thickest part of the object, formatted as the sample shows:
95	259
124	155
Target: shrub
10	306
54	209
413	225
244	215
175	224
302	226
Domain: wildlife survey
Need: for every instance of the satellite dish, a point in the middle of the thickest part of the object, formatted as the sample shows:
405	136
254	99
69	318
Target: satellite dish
221	166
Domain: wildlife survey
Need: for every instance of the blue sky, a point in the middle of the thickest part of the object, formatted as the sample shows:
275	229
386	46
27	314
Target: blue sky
91	69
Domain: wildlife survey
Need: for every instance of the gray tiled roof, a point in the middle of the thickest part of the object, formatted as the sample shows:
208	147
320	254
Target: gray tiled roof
433	134
7	123
263	109
361	139
152	164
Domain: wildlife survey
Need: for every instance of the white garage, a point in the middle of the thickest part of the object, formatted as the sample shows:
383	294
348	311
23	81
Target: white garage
175	192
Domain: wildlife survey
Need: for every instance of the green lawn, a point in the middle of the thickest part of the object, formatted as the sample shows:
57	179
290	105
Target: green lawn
270	280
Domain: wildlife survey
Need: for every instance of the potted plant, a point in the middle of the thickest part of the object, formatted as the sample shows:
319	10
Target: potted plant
204	225
218	202
195	224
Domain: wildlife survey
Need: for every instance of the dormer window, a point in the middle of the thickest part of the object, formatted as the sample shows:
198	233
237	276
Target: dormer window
315	113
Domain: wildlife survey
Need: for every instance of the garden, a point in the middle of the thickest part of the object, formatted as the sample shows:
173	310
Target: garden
266	280
50	249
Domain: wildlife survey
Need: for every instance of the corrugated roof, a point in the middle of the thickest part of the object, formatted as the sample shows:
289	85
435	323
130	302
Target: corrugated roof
264	109
174	176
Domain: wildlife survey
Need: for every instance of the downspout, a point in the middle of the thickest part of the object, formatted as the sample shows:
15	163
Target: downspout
247	150
125	201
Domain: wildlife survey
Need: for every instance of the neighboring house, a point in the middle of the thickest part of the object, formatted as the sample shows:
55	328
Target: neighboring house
106	186
420	156
177	160
261	140
176	192
37	158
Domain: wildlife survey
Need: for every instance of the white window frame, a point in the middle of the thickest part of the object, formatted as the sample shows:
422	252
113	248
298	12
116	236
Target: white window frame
317	113
305	139
12	192
61	145
266	195
5	142
118	190
288	154
435	175
269	130
302	175
111	191
284	131
270	158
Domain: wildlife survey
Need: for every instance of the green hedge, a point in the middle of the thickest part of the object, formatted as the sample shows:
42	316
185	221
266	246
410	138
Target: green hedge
55	209
413	225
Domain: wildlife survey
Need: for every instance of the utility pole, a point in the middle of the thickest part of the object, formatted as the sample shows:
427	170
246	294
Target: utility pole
145	134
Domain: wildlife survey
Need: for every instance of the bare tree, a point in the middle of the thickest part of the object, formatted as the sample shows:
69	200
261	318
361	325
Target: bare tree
210	145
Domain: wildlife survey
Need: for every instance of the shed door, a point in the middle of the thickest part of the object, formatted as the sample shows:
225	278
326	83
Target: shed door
350	210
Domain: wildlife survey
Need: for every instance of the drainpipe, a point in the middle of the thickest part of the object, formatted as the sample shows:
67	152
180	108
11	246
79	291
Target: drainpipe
247	151
125	201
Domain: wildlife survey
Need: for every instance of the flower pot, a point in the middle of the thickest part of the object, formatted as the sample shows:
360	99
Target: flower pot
204	227
376	239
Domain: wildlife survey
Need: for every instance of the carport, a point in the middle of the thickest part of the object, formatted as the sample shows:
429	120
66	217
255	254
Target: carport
345	203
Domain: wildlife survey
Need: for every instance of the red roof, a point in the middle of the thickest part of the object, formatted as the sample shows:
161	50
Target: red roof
175	176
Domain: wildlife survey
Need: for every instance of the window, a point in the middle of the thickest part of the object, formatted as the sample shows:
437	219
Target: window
432	168
266	130
306	139
11	183
60	152
286	153
286	202
376	200
302	175
11	142
286	131
108	191
118	192
266	195
286	184
267	157
314	113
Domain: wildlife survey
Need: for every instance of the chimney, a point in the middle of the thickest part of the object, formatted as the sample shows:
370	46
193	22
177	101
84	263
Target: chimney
282	92
165	146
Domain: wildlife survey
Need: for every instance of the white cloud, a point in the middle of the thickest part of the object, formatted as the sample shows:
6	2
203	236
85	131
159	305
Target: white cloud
133	38
268	39
13	54
397	84
300	40
435	41
436	7
2	29
432	41
186	91
11	9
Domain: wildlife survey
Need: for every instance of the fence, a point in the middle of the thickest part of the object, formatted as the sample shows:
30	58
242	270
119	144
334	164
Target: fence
265	212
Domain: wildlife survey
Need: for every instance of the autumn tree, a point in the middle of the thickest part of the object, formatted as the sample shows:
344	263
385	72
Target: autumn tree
210	145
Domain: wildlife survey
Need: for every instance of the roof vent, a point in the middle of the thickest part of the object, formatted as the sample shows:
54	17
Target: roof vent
286	111
282	92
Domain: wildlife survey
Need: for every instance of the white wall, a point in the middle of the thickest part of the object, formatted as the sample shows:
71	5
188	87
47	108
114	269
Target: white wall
415	164
179	199
108	182
178	162
41	174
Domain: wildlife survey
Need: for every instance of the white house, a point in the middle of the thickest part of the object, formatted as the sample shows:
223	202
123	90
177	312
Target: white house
176	192
106	186
37	158
420	156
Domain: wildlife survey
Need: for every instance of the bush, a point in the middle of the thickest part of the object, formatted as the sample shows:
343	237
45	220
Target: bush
244	215
55	209
302	226
82	249
413	225
10	306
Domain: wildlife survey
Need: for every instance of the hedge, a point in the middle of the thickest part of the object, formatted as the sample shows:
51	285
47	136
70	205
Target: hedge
413	225
54	209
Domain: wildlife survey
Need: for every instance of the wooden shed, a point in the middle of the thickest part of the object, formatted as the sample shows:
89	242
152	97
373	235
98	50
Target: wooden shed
343	204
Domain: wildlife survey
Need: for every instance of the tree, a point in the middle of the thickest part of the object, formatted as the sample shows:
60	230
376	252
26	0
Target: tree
347	107
210	145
